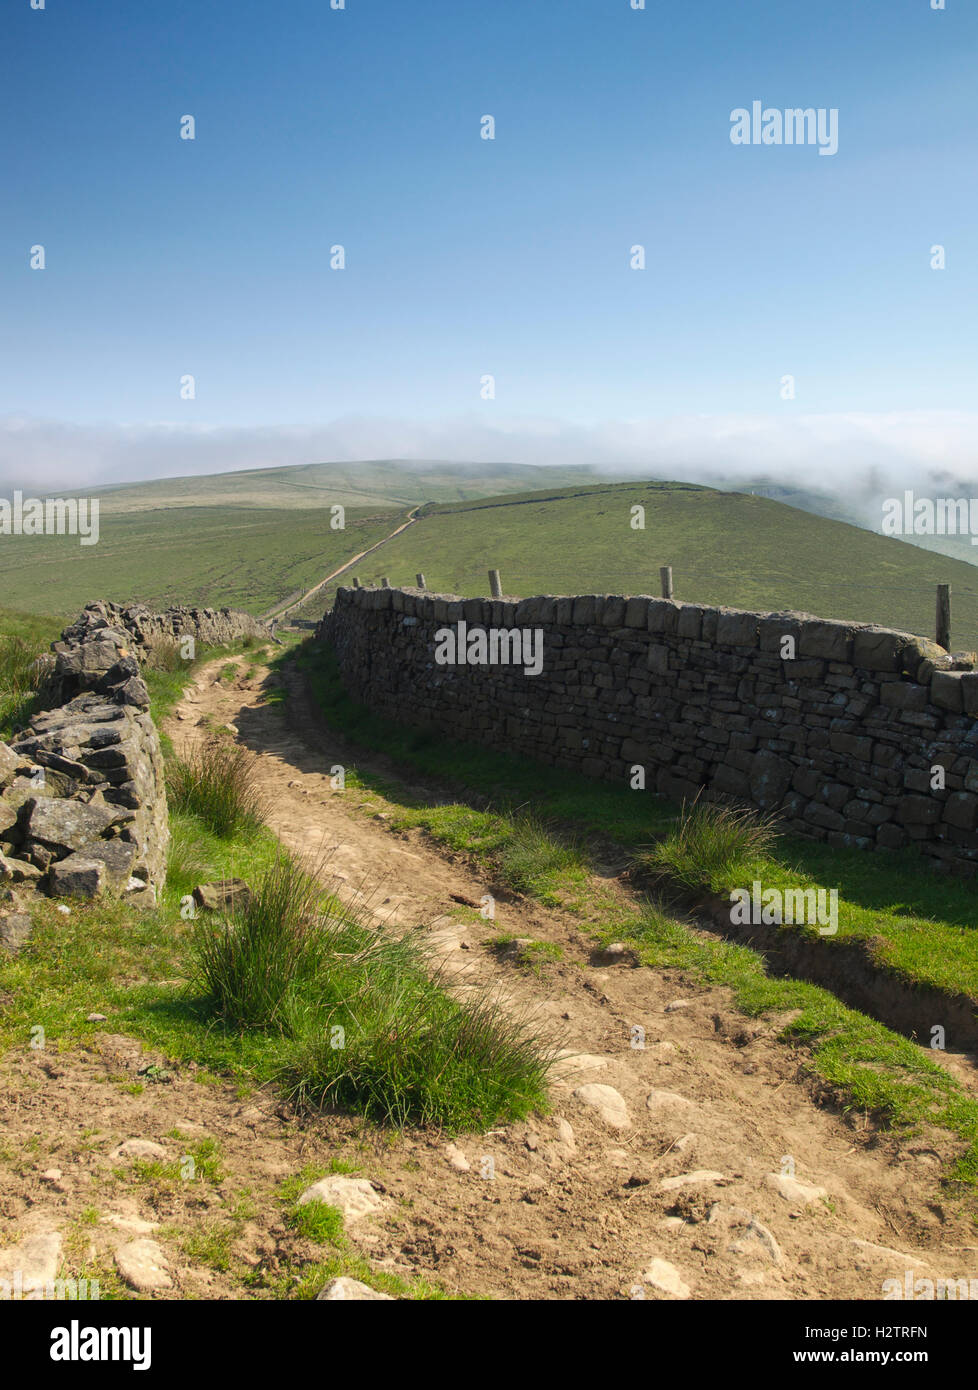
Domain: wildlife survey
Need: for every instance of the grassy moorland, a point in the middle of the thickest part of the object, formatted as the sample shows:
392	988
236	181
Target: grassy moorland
725	548
213	556
371	483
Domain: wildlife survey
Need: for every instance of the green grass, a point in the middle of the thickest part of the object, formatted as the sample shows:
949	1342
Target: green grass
23	638
317	1221
368	1027
580	541
713	847
216	784
918	926
214	556
525	857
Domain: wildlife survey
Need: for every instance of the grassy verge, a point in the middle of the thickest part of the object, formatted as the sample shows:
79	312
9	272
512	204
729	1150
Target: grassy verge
862	1064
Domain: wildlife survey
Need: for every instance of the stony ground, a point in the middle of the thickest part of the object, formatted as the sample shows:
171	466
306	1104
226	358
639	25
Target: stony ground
702	1165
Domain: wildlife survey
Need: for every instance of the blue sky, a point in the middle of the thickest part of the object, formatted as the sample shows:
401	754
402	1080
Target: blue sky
465	256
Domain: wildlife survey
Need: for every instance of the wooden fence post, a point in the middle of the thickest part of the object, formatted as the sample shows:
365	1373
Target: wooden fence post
944	616
665	576
495	584
421	583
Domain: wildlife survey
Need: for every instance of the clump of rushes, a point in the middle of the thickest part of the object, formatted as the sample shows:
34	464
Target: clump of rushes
374	1028
165	656
713	846
217	783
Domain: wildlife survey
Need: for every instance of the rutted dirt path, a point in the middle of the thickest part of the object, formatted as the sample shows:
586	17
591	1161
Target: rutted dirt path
583	1203
686	1198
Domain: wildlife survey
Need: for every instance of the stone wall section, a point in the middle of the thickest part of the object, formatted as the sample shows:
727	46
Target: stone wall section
82	793
864	737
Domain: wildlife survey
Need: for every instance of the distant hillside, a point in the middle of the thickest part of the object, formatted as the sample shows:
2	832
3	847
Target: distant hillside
372	482
213	556
739	549
725	548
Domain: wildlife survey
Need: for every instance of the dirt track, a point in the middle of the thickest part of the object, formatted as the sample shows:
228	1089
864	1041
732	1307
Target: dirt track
686	1199
583	1217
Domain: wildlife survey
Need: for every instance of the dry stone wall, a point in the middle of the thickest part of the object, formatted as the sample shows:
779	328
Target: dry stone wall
856	735
82	796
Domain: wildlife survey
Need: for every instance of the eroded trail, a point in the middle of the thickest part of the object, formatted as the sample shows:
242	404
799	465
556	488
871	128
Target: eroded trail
682	1189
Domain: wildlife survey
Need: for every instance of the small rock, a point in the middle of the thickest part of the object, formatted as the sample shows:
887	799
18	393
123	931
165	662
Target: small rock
695	1179
143	1266
798	1193
77	877
15	928
96	1018
659	1101
457	1158
225	895
129	1225
609	1104
139	1148
757	1240
666	1278
355	1197
344	1288
51	1175
568	1063
36	1260
676	1005
18	870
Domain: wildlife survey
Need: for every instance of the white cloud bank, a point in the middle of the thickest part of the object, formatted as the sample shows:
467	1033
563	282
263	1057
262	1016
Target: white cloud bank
856	456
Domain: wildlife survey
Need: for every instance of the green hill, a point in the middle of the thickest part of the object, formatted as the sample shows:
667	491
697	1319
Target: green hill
213	556
370	482
725	548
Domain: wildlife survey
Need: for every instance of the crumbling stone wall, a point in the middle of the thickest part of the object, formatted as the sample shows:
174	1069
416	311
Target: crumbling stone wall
82	795
856	735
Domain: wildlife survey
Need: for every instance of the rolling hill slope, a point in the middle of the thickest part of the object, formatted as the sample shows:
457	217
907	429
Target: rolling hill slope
370	482
725	548
213	556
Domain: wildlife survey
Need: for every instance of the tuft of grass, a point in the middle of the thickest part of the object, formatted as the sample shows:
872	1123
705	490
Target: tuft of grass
217	784
317	1221
712	845
260	962
372	1028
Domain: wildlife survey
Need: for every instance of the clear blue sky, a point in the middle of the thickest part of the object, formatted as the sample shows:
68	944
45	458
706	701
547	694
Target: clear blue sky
467	256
